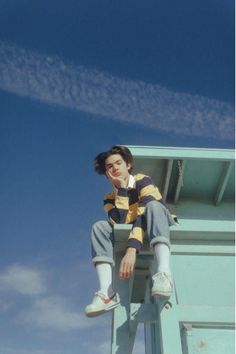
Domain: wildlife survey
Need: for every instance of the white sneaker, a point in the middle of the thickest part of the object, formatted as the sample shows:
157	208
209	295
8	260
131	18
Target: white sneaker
102	303
162	284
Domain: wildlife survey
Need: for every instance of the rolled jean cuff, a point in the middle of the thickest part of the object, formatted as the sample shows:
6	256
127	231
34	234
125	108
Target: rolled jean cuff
103	259
159	239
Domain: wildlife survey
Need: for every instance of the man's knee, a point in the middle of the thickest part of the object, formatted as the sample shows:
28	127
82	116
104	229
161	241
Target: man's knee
154	206
100	230
99	225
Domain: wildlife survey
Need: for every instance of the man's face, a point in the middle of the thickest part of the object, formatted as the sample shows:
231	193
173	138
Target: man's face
117	166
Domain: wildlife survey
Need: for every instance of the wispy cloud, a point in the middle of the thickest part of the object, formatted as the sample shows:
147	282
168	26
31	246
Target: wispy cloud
23	280
54	313
44	308
51	80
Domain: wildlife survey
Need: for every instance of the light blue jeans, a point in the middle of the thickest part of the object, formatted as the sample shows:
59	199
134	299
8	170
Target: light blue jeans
158	220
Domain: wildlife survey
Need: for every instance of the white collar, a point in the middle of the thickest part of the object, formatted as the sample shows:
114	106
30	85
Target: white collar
131	183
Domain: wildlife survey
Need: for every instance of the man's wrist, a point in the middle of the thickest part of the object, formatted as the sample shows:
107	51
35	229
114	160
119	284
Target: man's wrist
131	250
123	184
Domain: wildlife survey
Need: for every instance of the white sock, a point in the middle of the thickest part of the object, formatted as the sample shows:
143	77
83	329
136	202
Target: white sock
104	271
162	253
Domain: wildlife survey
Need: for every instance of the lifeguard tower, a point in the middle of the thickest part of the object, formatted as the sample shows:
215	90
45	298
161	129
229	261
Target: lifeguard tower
198	186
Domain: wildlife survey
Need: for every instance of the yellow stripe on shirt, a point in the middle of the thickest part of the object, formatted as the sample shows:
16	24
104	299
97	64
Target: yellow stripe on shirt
122	202
132	213
137	233
150	190
139	176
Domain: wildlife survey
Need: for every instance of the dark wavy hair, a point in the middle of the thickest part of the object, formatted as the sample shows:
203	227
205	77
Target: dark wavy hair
100	159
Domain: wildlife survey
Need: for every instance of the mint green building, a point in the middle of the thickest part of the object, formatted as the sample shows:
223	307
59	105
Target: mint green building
198	185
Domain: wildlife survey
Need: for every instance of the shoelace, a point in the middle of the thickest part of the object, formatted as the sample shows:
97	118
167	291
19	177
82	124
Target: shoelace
163	276
103	296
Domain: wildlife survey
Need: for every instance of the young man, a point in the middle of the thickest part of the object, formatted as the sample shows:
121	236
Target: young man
134	200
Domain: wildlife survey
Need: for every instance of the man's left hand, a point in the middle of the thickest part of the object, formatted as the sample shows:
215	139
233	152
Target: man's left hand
127	264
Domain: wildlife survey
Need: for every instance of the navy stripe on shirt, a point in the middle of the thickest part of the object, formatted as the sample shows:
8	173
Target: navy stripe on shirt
145	181
133	196
109	201
133	243
118	215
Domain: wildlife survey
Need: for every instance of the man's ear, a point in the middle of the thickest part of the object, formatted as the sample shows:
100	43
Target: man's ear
129	166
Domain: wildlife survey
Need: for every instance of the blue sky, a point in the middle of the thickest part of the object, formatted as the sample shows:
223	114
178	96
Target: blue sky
77	77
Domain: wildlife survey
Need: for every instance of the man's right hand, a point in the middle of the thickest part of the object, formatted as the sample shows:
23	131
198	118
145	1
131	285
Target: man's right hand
117	181
127	264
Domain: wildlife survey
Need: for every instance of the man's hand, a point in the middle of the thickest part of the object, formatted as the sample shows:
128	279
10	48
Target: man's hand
117	181
127	264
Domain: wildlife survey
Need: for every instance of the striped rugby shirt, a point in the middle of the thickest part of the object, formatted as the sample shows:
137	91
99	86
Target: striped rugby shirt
127	206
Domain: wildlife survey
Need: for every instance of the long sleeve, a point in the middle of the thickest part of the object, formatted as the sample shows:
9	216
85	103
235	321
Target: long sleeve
136	235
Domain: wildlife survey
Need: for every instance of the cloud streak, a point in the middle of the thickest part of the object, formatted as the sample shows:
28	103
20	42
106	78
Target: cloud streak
51	80
22	280
54	313
44	309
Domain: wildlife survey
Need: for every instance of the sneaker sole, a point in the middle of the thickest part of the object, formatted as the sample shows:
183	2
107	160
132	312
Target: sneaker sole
101	311
161	293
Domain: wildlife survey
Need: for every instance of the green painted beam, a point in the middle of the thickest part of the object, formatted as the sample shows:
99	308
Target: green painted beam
183	153
152	341
223	182
201	209
190	225
213	249
144	312
180	180
151	329
206	316
167	178
123	334
190	228
170	335
203	226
